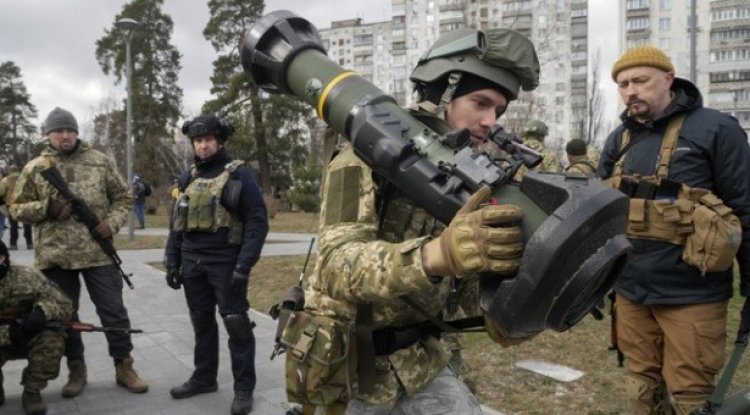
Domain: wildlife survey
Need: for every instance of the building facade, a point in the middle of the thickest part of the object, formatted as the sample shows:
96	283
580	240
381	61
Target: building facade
721	53
386	52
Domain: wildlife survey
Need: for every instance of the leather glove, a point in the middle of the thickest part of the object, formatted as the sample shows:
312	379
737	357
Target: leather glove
102	230
59	210
483	240
35	321
239	281
174	278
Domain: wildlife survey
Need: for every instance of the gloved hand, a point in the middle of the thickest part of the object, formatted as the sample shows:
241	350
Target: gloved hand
18	336
59	210
484	240
239	281
102	230
174	278
35	321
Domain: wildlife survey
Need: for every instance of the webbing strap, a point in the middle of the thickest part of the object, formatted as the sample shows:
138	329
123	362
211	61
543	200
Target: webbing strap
365	348
668	145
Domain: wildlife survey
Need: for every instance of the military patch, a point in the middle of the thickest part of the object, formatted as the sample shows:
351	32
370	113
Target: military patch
342	201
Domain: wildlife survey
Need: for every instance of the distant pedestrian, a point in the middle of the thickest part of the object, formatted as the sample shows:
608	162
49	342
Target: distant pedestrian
141	190
578	160
3	213
7	185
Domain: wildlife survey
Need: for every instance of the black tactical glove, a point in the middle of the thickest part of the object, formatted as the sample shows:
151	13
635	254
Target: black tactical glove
35	322
239	281
174	278
18	336
59	210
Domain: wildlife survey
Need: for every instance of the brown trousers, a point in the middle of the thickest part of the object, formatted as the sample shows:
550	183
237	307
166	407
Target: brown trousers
682	346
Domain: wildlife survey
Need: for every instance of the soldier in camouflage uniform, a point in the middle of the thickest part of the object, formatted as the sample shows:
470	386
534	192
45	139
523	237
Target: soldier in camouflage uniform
27	301
383	258
533	136
579	162
64	248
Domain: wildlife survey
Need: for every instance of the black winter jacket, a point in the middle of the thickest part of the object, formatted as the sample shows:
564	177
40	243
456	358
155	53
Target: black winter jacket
213	247
712	152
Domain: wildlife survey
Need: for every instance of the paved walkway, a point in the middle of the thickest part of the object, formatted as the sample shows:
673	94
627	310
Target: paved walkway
164	352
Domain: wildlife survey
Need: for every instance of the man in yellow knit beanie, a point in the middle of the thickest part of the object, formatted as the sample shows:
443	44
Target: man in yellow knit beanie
672	310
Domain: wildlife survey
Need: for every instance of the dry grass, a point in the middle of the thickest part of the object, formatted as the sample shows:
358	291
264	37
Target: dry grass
499	383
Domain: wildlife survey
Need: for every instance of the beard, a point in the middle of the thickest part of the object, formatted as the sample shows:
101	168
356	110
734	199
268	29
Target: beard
639	109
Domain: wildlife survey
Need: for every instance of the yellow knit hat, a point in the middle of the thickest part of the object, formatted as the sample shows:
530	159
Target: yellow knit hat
642	56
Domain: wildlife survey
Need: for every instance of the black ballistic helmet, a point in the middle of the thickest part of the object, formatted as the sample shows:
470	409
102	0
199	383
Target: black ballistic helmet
208	124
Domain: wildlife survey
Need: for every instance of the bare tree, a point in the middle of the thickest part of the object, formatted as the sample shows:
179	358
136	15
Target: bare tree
596	126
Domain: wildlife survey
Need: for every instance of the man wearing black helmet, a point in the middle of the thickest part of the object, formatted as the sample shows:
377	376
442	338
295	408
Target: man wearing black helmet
387	264
218	227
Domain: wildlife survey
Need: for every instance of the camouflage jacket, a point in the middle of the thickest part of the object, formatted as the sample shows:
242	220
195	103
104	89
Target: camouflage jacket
361	261
549	164
23	289
582	166
92	176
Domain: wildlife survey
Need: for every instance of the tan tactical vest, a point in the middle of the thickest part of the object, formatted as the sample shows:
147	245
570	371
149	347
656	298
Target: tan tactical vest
696	218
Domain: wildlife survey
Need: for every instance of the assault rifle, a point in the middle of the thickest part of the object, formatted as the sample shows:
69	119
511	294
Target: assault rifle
83	214
70	325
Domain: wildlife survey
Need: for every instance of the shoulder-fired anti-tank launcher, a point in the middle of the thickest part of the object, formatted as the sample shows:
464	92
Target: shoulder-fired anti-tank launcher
574	227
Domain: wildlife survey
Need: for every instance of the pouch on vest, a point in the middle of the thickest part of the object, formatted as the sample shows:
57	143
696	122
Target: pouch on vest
717	236
179	214
201	209
318	368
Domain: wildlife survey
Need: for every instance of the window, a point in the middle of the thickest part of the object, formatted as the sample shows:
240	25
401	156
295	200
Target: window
665	4
641	41
637	4
637	23
665	24
665	43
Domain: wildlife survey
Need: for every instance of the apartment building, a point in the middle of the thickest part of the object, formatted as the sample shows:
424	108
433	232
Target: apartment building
722	45
559	29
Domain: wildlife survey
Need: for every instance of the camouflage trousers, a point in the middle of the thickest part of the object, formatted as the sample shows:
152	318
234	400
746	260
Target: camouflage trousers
43	353
444	395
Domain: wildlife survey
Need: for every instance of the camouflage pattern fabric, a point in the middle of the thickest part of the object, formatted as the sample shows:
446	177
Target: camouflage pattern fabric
357	264
43	352
549	164
92	176
23	289
583	167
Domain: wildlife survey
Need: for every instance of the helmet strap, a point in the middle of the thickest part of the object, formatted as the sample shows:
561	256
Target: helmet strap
453	79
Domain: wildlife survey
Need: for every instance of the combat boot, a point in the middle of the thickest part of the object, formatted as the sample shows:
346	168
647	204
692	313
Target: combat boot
127	378
76	379
33	404
242	404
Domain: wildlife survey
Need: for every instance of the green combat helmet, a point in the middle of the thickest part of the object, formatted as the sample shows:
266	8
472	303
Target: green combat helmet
536	128
502	56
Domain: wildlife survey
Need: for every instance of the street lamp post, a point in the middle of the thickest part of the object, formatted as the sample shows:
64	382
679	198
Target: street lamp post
128	25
